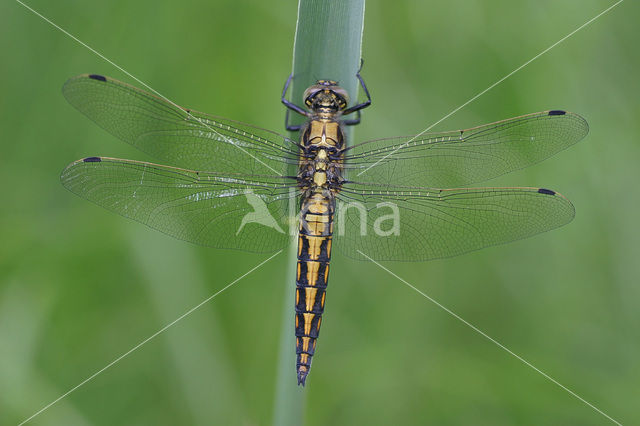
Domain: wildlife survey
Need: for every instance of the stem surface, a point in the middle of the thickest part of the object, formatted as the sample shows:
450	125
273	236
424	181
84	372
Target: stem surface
327	46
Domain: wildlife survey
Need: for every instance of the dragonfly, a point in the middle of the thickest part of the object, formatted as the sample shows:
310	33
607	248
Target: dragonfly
231	185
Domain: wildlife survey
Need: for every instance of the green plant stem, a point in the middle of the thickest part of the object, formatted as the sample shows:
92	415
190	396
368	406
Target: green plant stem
327	46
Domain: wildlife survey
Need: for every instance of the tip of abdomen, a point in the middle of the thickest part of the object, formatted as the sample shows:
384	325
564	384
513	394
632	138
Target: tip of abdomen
304	353
302	374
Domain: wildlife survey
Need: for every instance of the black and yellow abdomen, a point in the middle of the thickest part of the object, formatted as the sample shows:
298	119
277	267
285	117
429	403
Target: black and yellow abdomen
314	254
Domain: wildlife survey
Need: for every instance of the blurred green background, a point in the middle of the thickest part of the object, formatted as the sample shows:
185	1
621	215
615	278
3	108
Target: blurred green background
80	286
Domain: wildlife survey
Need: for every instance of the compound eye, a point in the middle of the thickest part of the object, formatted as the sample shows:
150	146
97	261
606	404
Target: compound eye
342	95
310	93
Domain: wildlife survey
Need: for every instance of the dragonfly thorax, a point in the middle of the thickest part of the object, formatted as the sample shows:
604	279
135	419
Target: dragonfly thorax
320	170
321	156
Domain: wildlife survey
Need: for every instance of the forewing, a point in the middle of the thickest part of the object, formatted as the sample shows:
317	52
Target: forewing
433	224
232	211
175	135
462	157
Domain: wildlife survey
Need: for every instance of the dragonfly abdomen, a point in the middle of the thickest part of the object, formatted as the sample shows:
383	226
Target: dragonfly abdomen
314	255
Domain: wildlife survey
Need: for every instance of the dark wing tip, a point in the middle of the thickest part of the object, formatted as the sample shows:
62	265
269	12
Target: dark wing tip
98	77
557	112
92	159
67	87
546	191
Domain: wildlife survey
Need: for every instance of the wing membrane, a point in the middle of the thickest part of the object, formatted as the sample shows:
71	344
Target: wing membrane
461	157
176	135
436	224
231	211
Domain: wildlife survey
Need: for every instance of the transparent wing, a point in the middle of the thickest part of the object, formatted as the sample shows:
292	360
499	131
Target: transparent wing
176	135
232	211
416	224
461	157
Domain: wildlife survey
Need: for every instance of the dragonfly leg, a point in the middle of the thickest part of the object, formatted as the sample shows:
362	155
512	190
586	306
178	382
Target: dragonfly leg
291	127
288	103
352	121
291	106
359	106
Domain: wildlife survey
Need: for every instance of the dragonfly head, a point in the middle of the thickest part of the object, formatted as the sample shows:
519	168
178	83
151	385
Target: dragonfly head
326	95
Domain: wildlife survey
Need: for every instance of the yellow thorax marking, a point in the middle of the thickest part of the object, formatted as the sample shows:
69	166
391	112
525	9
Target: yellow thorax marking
320	178
323	133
